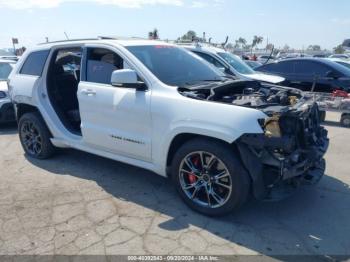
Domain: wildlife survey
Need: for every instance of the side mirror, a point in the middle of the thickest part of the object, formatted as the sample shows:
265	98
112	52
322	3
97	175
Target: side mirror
126	78
332	74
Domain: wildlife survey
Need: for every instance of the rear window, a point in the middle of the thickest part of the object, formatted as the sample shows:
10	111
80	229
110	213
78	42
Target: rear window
34	64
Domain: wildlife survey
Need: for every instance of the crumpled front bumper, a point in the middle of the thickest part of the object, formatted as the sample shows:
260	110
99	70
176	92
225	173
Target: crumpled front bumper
271	169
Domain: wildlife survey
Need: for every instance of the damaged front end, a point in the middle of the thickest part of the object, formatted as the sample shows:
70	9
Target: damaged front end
290	151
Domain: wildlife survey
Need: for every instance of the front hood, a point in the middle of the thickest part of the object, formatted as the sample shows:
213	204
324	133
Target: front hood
266	78
3	86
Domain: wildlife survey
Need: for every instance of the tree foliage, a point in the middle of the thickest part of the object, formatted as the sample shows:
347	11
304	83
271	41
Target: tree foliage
314	48
189	36
240	43
257	40
339	49
153	35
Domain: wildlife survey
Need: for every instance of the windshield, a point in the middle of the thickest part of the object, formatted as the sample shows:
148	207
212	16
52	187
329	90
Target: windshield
5	70
175	66
237	64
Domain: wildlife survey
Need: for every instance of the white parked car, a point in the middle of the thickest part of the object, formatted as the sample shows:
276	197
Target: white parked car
265	59
343	62
157	106
231	64
6	107
340	56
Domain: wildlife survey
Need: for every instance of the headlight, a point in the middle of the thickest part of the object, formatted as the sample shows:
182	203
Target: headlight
2	94
271	126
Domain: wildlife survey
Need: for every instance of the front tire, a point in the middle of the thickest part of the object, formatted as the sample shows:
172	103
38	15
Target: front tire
35	136
209	177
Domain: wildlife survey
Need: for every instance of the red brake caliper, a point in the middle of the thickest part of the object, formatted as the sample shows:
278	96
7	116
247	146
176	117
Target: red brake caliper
191	177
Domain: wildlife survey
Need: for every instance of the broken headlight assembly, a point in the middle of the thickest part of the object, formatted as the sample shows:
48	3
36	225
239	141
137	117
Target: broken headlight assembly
271	126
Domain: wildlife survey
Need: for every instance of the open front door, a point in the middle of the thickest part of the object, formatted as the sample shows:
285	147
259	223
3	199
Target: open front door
113	119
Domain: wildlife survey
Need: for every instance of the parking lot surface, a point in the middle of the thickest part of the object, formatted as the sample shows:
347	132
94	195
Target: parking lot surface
77	203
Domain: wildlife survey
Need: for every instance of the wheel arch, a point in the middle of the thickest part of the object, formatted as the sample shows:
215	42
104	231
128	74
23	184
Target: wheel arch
22	108
181	138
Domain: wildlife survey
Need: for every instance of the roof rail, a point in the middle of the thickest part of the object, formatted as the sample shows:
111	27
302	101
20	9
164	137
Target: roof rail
69	40
122	38
97	38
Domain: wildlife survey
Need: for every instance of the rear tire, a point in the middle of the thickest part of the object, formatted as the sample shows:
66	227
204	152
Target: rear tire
204	190
345	120
35	136
322	116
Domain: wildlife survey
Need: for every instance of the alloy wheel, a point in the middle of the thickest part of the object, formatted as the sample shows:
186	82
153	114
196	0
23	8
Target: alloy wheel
205	179
31	138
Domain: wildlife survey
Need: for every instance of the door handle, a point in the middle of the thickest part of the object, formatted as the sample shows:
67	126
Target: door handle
88	92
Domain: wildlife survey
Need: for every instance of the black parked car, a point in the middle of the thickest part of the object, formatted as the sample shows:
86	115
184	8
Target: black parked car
310	74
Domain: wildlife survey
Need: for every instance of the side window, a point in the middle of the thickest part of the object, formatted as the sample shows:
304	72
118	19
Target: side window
311	68
285	67
267	68
35	63
67	63
210	59
279	68
100	65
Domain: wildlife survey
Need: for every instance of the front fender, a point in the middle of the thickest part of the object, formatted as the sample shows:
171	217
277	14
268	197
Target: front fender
224	132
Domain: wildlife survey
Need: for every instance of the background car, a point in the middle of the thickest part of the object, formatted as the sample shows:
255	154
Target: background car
341	56
310	74
342	62
252	64
11	58
320	56
263	59
231	64
6	107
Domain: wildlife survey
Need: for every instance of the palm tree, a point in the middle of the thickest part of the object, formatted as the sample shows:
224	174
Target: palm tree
256	40
240	43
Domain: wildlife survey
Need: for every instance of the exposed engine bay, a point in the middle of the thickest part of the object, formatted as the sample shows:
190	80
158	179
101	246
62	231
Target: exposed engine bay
290	151
266	97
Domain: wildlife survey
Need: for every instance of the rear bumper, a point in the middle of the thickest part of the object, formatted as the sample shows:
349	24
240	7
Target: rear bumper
271	169
7	112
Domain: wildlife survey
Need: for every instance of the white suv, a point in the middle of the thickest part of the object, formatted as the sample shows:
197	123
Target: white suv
157	106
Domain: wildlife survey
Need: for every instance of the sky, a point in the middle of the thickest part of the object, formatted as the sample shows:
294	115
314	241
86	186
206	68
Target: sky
298	23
